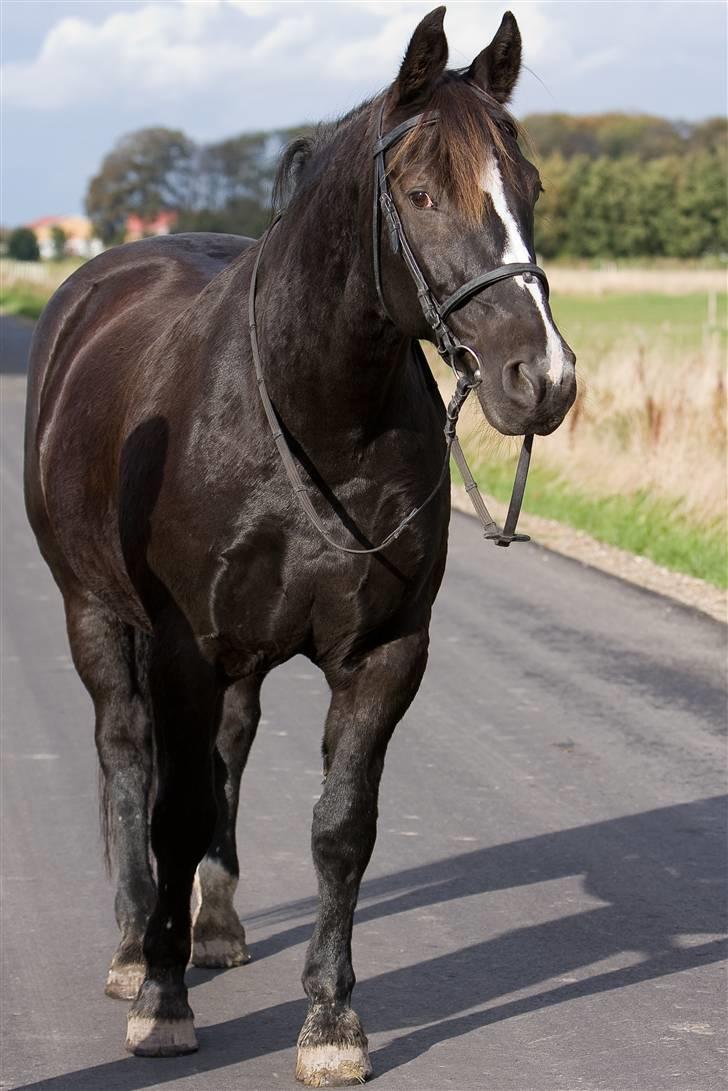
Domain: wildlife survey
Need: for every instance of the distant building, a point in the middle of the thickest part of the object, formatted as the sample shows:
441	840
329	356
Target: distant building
80	239
137	228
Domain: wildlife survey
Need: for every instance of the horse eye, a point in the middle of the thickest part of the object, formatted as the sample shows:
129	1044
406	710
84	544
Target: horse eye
421	200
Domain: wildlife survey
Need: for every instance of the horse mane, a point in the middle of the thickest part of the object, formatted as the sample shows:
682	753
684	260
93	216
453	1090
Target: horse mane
288	172
471	131
297	155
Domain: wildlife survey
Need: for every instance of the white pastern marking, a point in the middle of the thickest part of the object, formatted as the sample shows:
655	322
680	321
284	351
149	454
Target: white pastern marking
330	1059
214	888
515	250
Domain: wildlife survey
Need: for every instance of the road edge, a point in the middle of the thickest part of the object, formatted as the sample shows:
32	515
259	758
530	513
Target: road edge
560	538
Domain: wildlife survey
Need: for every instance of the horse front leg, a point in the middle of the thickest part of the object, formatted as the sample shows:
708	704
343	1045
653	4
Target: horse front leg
366	705
218	937
186	701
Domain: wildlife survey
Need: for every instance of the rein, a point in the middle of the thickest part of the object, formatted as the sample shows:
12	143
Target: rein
448	346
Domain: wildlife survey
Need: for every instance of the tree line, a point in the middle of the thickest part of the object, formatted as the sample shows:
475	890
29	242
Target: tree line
621	186
615	185
224	186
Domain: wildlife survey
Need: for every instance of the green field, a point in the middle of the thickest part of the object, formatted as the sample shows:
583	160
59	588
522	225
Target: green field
26	296
26	302
593	324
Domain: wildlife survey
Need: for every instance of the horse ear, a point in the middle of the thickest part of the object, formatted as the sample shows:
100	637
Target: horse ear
496	69
424	62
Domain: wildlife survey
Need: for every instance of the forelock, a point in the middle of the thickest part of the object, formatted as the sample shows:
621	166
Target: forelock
469	134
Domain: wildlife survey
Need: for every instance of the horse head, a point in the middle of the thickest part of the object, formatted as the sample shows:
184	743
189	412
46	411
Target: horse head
463	195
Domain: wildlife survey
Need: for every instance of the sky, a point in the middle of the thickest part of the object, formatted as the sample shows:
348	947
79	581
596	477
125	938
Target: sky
78	75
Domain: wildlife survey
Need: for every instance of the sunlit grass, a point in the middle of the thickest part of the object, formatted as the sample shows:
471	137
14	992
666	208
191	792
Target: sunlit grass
26	287
25	301
673	323
637	522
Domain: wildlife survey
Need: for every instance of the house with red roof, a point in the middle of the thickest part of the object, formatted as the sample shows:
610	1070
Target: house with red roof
137	228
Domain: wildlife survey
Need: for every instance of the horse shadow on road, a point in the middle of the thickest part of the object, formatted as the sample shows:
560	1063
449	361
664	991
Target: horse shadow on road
661	875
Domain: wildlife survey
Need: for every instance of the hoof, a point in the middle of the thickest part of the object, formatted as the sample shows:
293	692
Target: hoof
220	952
332	1049
332	1066
124	982
160	1037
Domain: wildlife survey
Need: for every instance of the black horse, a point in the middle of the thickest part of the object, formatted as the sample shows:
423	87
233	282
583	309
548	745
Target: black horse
188	570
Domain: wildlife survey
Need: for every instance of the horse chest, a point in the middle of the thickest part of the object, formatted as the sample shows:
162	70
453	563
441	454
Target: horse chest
270	600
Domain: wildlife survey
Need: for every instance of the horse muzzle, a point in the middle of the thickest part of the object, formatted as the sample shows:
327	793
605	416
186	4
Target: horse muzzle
523	398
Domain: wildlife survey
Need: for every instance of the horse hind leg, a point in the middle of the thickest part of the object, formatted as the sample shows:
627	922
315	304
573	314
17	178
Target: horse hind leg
218	937
187	705
107	656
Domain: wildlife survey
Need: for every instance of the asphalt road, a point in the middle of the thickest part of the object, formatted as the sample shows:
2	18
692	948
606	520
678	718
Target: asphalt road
544	908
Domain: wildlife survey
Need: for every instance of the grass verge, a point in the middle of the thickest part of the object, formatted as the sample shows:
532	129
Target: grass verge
645	525
24	302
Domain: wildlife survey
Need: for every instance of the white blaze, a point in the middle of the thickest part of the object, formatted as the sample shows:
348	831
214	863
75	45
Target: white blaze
515	250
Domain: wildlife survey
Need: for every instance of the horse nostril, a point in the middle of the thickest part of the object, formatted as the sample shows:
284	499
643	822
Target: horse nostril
524	383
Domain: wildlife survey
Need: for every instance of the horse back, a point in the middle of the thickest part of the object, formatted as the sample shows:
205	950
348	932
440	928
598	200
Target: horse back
84	371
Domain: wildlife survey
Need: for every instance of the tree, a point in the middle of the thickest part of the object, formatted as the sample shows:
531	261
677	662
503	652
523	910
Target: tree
240	216
617	135
554	205
149	171
239	167
700	215
23	245
710	135
59	240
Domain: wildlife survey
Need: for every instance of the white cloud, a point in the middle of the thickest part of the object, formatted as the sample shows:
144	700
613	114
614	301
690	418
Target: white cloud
150	47
284	35
166	50
257	9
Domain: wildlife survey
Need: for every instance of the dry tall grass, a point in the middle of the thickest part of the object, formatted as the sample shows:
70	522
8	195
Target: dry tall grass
615	280
641	422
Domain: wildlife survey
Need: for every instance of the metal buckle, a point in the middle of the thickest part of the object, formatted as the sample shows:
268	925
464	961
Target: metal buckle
505	540
475	378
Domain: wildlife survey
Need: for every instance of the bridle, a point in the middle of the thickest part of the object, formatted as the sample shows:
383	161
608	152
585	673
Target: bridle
448	346
436	314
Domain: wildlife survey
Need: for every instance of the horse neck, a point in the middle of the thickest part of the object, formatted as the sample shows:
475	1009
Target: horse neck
325	346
